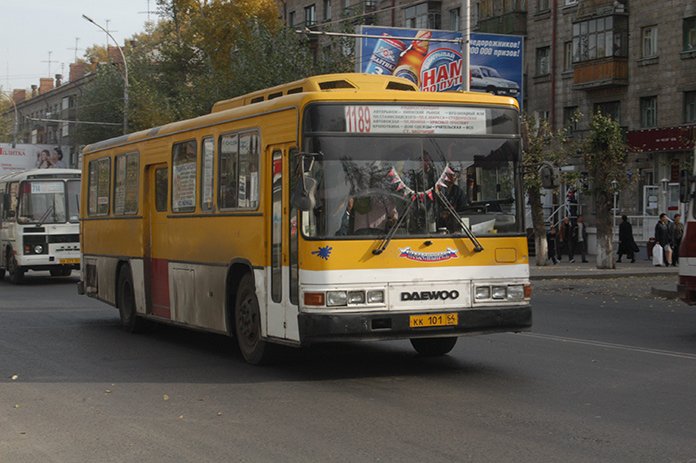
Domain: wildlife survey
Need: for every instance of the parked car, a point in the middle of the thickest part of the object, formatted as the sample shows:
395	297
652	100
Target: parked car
488	79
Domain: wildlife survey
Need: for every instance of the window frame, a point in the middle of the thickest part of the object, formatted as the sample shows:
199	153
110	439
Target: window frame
539	69
126	156
96	162
648	42
689	34
310	15
253	132
690	107
203	204
648	111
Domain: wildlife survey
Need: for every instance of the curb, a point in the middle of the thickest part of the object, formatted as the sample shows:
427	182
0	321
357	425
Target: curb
663	292
600	276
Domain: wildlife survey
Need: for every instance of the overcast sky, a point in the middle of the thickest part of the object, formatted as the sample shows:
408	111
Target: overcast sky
29	29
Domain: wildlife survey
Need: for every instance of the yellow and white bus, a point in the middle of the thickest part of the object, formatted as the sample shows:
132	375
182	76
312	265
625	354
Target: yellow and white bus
39	222
337	207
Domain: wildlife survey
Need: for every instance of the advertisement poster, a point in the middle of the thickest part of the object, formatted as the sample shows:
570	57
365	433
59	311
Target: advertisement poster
26	157
496	61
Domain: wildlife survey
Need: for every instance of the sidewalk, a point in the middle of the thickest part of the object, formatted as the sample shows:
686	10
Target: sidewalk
641	268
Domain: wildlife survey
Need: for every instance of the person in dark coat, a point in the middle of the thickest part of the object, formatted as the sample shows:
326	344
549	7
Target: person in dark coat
678	235
566	240
551	243
663	237
626	243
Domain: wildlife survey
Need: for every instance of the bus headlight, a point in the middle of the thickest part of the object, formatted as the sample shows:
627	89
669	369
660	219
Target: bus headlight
336	298
38	249
375	296
499	292
356	297
483	292
515	292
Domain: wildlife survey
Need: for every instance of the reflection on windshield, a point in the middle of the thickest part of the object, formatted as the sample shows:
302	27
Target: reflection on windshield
366	184
42	202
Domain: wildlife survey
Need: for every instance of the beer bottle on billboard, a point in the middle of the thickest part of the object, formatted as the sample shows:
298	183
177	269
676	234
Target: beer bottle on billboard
411	60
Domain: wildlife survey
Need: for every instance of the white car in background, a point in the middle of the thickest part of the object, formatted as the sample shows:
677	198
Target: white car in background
487	79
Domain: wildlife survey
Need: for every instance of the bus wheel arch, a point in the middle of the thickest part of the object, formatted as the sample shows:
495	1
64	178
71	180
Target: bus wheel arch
235	273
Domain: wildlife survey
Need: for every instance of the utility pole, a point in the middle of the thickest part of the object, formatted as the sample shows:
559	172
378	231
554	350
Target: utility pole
466	39
125	71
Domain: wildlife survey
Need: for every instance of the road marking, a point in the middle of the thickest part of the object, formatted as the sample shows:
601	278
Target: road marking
610	345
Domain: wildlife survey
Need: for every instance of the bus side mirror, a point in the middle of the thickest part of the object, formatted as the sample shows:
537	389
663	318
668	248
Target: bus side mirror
304	195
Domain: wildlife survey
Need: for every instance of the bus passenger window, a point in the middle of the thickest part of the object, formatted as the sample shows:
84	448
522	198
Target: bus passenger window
207	154
99	187
184	177
161	188
239	171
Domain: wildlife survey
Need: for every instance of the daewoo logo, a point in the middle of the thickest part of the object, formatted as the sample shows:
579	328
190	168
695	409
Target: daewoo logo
410	254
430	295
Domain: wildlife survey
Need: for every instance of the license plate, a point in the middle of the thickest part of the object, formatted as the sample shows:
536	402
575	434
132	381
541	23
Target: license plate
69	261
436	319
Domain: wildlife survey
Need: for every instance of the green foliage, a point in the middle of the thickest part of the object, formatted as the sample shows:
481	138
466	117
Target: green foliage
101	101
605	154
6	122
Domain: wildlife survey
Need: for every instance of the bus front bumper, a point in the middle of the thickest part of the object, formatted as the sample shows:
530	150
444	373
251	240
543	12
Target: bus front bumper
332	327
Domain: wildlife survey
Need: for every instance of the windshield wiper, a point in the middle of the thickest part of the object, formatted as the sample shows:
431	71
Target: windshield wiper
392	231
467	230
45	215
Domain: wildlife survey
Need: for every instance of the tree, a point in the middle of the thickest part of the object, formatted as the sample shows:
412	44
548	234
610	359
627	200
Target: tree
542	148
605	154
7	122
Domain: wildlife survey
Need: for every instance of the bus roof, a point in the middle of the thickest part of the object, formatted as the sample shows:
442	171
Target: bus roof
41	173
327	87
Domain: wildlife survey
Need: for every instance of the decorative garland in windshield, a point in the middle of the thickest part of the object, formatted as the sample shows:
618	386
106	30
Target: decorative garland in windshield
447	175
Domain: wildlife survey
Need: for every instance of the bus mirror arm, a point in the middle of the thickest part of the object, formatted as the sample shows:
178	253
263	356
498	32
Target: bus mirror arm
305	199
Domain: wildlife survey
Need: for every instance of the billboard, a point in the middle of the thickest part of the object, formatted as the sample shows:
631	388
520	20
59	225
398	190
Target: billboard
25	157
432	59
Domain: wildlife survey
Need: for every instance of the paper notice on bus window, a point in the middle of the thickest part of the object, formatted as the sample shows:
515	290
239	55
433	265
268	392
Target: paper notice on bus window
445	120
47	187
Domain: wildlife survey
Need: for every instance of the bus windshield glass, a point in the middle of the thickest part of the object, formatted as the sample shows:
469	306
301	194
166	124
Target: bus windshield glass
43	202
413	183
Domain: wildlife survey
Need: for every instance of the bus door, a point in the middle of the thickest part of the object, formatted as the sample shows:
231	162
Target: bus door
156	265
278	274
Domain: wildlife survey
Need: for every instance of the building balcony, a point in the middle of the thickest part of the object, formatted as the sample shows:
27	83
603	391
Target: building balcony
600	73
514	23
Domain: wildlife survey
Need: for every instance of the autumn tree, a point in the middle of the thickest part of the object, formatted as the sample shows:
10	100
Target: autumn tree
605	154
544	150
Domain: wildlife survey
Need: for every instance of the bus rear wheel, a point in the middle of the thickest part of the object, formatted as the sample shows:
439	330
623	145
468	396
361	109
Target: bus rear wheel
433	347
15	271
130	321
247	323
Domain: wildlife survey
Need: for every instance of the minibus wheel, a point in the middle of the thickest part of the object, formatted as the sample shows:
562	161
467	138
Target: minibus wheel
130	321
247	321
433	347
16	273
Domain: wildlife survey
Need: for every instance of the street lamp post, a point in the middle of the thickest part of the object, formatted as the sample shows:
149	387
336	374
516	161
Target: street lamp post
615	189
16	120
664	183
125	73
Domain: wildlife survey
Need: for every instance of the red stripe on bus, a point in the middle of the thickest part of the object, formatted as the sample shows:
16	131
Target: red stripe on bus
159	288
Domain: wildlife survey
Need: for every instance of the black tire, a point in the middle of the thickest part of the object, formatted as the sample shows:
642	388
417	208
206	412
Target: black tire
247	324
492	90
433	347
16	273
130	321
61	272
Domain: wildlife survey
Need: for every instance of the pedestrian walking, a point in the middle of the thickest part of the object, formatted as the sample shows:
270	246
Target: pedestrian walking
566	240
627	244
551	244
677	238
663	240
581	234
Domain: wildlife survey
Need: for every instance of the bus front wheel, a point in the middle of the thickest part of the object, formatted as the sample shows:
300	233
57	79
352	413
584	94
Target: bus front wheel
15	271
130	321
433	347
247	322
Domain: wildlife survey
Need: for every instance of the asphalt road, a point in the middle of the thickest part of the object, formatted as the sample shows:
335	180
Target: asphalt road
606	375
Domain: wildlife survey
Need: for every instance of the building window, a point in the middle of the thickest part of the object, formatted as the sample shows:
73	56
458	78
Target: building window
570	118
184	176
310	15
600	38
291	19
649	42
126	184
454	19
422	16
690	34
689	107
542	5
648	111
570	2
568	56
327	10
542	61
609	108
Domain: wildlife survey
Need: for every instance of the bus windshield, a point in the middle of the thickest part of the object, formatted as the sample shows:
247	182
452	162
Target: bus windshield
366	185
44	201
